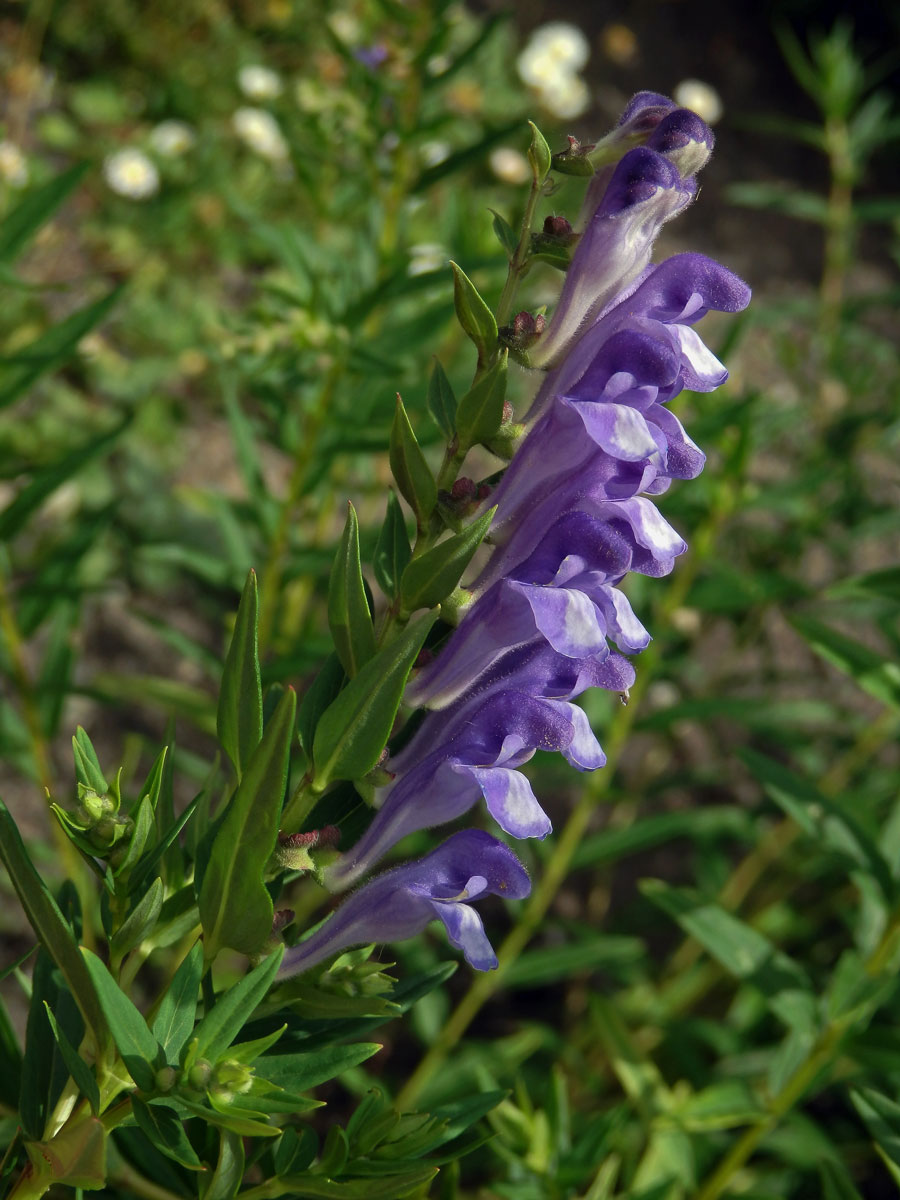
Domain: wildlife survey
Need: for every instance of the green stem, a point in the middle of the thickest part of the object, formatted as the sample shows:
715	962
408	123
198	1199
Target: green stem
131	1181
517	264
838	228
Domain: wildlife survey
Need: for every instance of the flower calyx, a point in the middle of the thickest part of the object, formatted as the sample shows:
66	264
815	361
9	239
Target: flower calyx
293	851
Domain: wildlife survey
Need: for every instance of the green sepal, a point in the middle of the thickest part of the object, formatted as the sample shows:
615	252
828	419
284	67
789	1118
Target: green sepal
163	1129
506	235
235	905
239	717
411	471
476	318
480	411
349	618
76	1157
354	729
431	578
174	1020
539	155
134	1041
141	921
392	551
232	1010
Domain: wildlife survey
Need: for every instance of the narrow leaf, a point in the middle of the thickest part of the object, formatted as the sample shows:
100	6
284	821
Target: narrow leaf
430	578
230	1013
22	222
539	155
44	1071
139	922
174	1020
78	1068
225	1181
392	551
349	618
239	714
87	765
882	1118
411	471
49	925
354	729
235	905
480	410
441	401
317	697
476	318
506	235
165	1131
135	1042
299	1072
874	674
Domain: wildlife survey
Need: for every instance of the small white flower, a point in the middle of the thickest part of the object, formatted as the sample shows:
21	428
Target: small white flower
701	98
172	138
260	131
554	47
565	96
130	173
432	153
425	257
345	26
510	165
13	167
438	64
259	83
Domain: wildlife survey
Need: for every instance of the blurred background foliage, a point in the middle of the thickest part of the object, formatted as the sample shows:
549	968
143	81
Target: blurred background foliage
200	347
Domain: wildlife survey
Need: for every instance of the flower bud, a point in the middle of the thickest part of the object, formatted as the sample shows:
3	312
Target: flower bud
165	1079
199	1075
685	140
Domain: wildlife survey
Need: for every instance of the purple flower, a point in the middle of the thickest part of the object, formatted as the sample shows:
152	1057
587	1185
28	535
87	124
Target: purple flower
645	191
400	903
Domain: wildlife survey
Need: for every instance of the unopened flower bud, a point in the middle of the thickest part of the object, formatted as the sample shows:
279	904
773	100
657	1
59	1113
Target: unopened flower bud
293	850
574	159
199	1075
523	332
281	918
165	1079
232	1076
558	228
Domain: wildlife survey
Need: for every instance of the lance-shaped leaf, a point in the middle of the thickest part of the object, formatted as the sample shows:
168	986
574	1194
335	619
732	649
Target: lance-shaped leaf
441	401
392	551
44	1071
48	923
139	922
165	1131
239	719
473	314
235	905
134	1041
174	1020
354	729
22	222
225	1180
506	235
539	155
411	471
875	674
432	576
480	410
349	618
77	1067
233	1010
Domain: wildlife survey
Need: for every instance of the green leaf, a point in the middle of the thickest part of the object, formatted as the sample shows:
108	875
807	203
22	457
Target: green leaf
392	551
164	1130
233	1009
10	1054
349	618
441	401
506	235
480	410
836	1182
143	827
18	372
396	1187
48	923
239	717
322	691
874	674
295	1150
87	765
539	155
134	1041
149	862
139	922
47	479
78	1068
821	817
742	951
225	1181
174	1020
23	221
235	905
411	471
300	1072
44	1071
882	1118
722	1105
355	727
429	579
476	318
884	583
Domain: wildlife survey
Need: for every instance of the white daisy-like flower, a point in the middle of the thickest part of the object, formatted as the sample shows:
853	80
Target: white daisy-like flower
172	138
259	83
552	48
566	96
260	131
131	173
13	167
701	98
509	165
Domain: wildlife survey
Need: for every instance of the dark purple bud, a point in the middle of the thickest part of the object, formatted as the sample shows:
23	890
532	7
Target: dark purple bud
558	229
685	139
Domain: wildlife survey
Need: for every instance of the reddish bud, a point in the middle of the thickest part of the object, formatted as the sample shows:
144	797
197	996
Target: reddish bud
281	918
557	228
